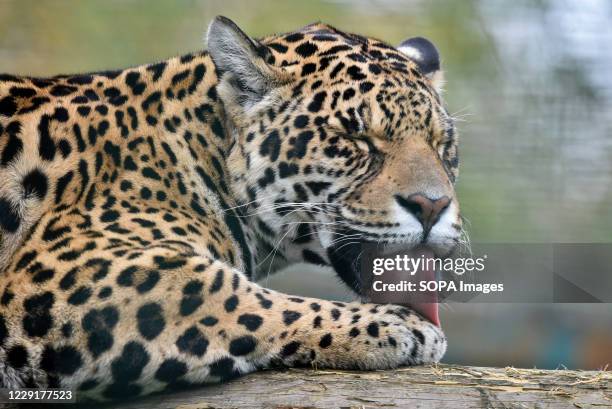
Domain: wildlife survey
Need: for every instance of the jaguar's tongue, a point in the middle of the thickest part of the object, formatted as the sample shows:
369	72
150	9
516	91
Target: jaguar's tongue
420	273
425	302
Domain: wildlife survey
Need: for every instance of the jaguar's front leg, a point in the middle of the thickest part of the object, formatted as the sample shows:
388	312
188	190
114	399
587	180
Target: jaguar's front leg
264	328
343	335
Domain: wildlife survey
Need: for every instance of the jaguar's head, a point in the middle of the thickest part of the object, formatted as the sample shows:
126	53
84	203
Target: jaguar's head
339	139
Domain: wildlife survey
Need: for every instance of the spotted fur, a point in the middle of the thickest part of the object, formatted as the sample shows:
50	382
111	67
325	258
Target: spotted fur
137	206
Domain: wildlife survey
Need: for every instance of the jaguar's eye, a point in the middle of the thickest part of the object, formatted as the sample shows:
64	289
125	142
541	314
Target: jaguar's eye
443	146
364	143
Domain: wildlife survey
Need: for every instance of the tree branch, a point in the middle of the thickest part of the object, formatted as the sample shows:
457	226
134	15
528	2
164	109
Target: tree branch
441	386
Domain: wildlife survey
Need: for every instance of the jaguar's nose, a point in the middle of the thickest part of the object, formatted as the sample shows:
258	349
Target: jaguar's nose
426	210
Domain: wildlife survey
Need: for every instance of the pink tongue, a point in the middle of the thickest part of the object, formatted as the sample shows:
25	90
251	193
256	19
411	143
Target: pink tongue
425	302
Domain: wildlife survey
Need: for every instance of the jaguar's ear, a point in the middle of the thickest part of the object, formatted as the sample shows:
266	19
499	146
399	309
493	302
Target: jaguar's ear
245	76
426	56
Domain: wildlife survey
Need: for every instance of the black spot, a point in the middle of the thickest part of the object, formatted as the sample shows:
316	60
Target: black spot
374	68
325	341
295	37
335	313
127	368
3	330
99	325
46	146
180	76
290	349
150	320
306	49
231	303
264	302
132	79
7	296
67	330
217	129
80	80
300	146
60	114
209	321
17	356
419	336
65	360
8	106
157	70
354	332
223	368
271	146
9	218
13	147
43	275
217	282
26	259
150	173
69	279
170	370
373	329
22	92
126	276
316	307
125	185
105	292
317	101
365	86
267	179
149	282
80	296
130	364
35	183
65	148
287	169
145	193
281	48
169	263
308	68
243	345
317	187
348	94
61	185
113	151
84	110
301	121
251	321
37	319
192	342
62	90
289	317
109	216
355	73
192	297
129	164
169	152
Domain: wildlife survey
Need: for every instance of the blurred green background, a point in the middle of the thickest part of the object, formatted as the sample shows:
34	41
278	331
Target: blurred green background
528	81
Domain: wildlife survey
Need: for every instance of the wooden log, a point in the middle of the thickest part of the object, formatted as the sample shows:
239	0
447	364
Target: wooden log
439	386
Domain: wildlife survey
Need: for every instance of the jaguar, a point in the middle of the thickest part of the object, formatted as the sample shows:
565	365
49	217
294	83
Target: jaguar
139	207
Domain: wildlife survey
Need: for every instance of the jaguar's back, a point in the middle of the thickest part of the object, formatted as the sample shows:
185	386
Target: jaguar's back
136	205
